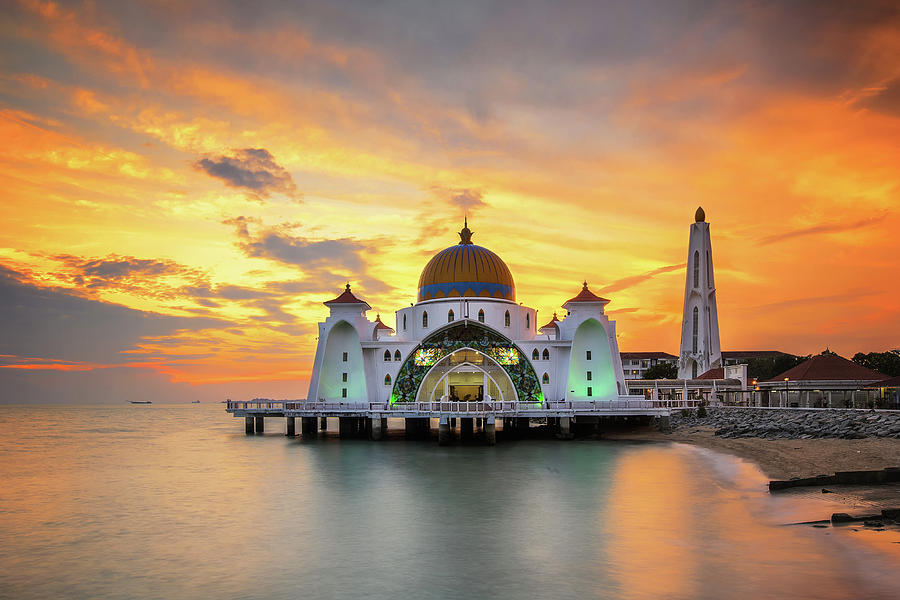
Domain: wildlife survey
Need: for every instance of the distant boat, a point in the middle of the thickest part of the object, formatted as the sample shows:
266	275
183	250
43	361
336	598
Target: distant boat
141	401
195	402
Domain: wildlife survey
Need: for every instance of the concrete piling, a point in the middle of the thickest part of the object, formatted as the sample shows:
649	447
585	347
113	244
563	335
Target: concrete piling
308	427
347	427
323	423
260	424
565	428
248	425
290	427
376	432
444	435
490	431
466	429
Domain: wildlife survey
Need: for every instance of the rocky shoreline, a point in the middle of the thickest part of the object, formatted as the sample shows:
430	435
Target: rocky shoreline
774	424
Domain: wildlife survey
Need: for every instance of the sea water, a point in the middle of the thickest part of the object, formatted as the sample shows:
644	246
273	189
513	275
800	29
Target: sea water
174	501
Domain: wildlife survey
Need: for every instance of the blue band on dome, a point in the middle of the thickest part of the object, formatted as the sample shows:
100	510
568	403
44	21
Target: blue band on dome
459	288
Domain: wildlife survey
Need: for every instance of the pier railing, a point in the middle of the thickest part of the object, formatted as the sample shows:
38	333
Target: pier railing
284	407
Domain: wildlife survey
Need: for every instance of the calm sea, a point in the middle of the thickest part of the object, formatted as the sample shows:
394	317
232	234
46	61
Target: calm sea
176	502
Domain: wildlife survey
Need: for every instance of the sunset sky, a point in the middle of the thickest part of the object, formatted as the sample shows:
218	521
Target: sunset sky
184	183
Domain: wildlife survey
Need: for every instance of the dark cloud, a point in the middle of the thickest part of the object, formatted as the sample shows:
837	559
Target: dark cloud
54	324
250	169
326	264
127	273
467	200
633	280
834	227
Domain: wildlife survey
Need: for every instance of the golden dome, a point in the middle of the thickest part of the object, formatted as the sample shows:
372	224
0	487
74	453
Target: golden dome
466	270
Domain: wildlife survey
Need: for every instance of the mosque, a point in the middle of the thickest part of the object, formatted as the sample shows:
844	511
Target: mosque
466	338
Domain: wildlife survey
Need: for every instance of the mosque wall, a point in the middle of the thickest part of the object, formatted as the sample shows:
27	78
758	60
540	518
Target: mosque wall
591	366
342	377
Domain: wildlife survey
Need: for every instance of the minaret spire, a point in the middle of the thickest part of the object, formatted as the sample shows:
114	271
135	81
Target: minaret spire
700	347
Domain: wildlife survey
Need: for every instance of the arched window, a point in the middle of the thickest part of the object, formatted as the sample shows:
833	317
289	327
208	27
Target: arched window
387	380
425	319
387	356
506	319
527	321
696	327
534	354
397	355
546	354
696	268
404	321
545	379
480	316
450	316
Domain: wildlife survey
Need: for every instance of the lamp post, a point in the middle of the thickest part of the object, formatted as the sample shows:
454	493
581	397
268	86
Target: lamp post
786	397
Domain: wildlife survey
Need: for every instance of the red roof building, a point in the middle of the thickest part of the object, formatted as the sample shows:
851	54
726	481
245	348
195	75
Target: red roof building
829	367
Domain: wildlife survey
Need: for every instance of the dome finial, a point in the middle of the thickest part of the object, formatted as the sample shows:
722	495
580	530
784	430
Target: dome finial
584	285
700	216
465	236
348	286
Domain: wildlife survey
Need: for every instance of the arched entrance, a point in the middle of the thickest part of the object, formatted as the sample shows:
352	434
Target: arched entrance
491	349
466	375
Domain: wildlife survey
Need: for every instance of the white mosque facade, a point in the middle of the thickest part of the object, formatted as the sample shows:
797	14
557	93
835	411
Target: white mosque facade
466	338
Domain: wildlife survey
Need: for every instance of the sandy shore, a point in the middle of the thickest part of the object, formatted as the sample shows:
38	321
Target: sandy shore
785	458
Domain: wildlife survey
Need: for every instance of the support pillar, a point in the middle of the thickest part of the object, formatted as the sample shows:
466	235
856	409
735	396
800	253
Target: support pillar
664	424
452	422
323	423
490	431
260	424
308	427
523	425
444	431
290	427
375	428
466	429
565	428
347	427
248	425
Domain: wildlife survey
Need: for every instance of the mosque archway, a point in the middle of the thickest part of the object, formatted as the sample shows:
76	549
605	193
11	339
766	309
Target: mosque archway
493	350
466	375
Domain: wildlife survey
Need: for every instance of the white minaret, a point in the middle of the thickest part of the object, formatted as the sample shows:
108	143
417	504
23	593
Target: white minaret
700	348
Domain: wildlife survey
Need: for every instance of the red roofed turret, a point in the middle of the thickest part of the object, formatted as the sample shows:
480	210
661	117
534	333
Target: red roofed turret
380	325
553	323
347	297
585	296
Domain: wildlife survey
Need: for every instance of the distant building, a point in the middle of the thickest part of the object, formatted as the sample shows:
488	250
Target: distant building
700	347
826	380
636	363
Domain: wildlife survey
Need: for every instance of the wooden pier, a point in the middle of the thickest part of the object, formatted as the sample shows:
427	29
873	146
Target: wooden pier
371	418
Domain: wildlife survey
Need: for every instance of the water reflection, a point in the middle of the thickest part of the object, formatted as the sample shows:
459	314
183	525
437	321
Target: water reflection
175	502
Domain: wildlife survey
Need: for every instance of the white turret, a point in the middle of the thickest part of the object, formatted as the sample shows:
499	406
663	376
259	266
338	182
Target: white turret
700	347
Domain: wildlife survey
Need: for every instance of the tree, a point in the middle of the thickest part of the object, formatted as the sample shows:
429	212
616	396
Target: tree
767	368
883	362
663	370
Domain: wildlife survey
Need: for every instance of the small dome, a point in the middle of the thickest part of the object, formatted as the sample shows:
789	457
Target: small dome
700	216
466	270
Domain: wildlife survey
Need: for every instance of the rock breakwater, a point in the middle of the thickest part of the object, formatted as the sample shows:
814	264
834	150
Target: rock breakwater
792	424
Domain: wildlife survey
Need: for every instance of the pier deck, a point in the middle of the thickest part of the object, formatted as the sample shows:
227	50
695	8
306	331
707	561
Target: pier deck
301	408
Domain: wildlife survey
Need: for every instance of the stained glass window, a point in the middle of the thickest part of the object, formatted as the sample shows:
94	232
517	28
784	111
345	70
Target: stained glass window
425	357
504	356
